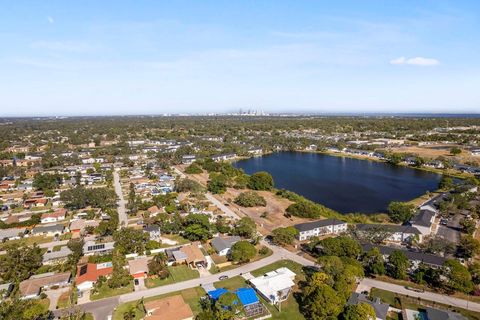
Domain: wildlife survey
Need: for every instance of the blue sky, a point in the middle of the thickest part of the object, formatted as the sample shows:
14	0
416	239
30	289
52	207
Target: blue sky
154	57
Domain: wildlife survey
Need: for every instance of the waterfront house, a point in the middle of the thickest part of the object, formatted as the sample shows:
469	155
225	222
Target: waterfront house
224	157
189	159
319	228
423	221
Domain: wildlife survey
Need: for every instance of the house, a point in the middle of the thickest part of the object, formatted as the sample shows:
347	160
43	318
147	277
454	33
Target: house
49	231
222	245
88	274
56	256
138	267
58	215
275	286
320	228
194	256
153	232
31	288
381	309
189	159
11	234
224	157
398	234
170	308
38	202
415	258
77	227
91	248
423	221
255	151
153	211
246	296
5	290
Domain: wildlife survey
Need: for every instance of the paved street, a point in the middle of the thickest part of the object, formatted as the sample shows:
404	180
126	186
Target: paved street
367	284
122	213
226	210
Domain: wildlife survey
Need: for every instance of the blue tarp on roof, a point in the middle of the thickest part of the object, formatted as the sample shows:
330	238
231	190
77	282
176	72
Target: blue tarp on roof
215	294
247	296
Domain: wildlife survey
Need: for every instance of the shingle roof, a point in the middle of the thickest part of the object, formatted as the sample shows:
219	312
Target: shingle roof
436	314
220	243
423	218
411	255
389	227
381	309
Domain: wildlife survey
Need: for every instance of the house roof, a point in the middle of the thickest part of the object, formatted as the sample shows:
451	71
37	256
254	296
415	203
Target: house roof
411	255
170	308
56	214
194	254
381	309
273	282
436	314
423	218
62	253
221	243
138	265
91	271
318	224
152	228
33	285
10	233
52	228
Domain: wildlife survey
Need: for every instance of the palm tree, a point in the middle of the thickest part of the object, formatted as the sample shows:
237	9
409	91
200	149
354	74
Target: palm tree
130	314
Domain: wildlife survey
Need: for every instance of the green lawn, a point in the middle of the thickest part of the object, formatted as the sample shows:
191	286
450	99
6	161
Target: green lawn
174	237
64	299
105	291
25	241
295	267
177	274
231	283
191	297
401	301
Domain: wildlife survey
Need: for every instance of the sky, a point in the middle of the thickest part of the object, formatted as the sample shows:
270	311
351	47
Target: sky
155	57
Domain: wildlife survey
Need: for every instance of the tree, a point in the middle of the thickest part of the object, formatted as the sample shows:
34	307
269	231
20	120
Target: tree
197	232
361	311
373	262
261	181
284	236
455	151
321	302
242	251
193	168
46	181
376	234
120	276
76	246
128	240
342	246
245	227
20	263
445	183
187	185
217	183
250	199
459	278
468	247
15	309
398	264
468	225
158	266
400	211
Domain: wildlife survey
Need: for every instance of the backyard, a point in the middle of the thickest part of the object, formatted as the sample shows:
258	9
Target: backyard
177	274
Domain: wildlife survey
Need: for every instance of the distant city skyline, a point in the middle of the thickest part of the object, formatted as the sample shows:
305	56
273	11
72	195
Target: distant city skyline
153	57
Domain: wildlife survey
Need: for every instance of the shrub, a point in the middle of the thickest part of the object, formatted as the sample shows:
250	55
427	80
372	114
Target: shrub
250	199
261	181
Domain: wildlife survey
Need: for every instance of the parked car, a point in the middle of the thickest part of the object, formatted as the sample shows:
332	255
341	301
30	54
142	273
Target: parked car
223	278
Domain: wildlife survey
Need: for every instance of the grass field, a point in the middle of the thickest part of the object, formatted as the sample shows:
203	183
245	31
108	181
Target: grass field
295	267
25	241
191	297
105	291
177	274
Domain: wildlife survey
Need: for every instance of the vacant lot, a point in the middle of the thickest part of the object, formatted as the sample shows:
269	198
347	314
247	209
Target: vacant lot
177	274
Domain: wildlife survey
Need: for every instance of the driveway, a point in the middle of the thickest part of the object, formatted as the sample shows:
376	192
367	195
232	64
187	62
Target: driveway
53	296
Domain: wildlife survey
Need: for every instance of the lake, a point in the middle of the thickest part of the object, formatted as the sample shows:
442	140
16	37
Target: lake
343	184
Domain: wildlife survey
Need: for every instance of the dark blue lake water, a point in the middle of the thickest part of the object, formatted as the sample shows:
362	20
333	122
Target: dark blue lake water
343	184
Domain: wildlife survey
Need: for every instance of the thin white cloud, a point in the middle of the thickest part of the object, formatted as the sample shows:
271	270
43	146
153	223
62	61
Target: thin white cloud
50	19
416	61
68	46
